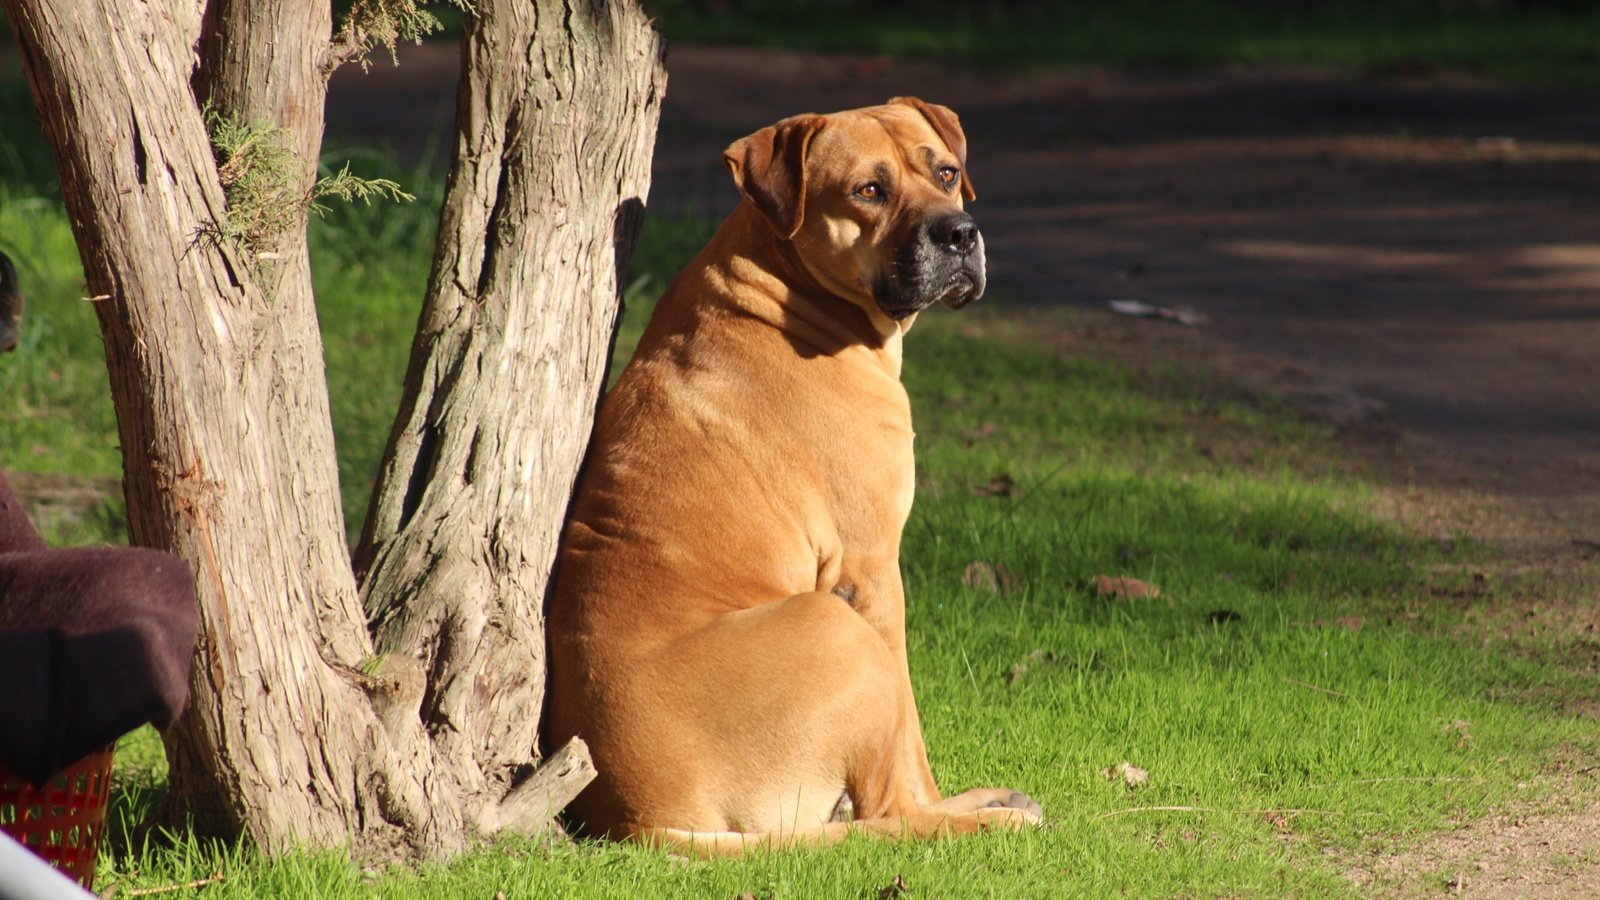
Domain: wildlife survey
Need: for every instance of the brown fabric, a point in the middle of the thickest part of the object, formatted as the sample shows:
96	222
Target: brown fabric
93	643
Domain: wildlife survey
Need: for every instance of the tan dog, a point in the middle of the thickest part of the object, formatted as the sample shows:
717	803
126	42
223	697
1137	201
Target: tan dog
728	627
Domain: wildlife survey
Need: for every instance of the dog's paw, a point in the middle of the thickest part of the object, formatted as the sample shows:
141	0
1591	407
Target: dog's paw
1004	818
1020	801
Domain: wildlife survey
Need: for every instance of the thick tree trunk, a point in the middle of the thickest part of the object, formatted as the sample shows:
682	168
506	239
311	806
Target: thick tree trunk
217	378
556	118
228	452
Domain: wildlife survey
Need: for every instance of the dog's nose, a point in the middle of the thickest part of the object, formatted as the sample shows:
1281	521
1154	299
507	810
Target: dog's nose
955	233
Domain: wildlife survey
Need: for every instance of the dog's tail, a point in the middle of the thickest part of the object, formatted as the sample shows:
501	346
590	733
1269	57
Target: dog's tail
920	824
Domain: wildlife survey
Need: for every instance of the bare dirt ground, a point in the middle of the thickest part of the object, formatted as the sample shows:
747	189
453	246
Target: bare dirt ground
1416	260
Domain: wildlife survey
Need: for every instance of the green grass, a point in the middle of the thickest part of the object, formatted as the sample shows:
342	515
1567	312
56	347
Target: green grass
1292	742
1538	42
54	397
370	266
1266	712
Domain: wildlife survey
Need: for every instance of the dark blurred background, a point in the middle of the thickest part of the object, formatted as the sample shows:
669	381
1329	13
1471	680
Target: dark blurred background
1524	39
1384	207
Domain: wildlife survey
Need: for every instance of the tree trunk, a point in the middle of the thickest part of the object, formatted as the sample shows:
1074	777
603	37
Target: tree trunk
217	378
556	117
225	461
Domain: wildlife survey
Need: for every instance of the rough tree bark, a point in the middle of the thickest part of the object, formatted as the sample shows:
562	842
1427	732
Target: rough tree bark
460	539
217	378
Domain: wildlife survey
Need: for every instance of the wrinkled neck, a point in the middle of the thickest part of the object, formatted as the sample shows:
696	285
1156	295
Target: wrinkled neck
755	272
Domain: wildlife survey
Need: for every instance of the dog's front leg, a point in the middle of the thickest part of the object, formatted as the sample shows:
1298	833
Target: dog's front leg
881	601
914	751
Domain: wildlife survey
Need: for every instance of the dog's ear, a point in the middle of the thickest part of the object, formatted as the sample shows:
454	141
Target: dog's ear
770	169
948	126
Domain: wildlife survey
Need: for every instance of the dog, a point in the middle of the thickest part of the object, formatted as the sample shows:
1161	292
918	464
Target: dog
727	627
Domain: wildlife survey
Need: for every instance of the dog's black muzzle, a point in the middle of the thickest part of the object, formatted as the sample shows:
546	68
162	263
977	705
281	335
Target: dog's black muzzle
941	262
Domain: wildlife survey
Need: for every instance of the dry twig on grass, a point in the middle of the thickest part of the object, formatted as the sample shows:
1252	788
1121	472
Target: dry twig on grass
165	888
1312	687
1217	809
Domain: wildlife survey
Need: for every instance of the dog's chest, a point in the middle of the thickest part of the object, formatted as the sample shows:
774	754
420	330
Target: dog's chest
872	475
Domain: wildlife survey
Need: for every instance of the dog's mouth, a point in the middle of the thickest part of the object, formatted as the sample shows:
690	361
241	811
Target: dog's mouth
926	272
964	288
958	289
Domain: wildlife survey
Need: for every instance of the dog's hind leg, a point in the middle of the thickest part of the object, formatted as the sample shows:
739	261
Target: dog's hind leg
929	822
796	699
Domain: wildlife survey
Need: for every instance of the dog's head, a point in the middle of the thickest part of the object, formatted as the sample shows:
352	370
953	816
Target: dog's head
872	201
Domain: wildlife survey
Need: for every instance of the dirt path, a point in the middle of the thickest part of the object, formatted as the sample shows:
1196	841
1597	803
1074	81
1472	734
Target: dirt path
1417	261
1419	258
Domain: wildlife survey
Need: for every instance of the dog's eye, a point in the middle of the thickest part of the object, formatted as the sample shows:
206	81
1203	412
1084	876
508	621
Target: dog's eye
948	176
870	191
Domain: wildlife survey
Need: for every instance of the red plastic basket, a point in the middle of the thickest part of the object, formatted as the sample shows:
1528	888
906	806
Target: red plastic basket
62	821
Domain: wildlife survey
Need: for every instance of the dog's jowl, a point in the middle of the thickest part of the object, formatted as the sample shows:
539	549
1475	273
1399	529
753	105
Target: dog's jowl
727	631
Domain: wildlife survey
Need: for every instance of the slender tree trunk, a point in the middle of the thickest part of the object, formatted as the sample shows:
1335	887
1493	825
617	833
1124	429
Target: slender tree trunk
217	378
267	62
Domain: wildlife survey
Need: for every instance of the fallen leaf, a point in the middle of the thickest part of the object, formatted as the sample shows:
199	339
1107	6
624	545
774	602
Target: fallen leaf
1496	143
1183	315
1036	659
992	577
1278	821
1001	485
982	432
1124	588
895	888
1353	623
1462	729
1129	774
872	66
